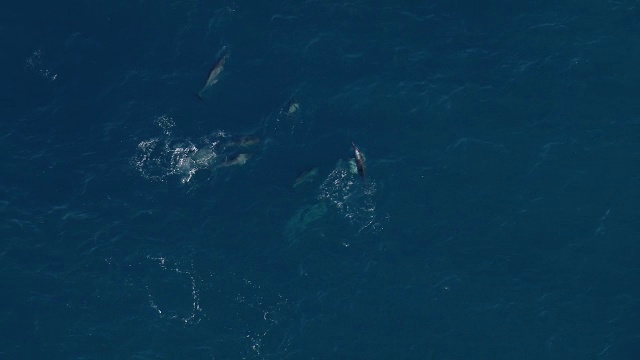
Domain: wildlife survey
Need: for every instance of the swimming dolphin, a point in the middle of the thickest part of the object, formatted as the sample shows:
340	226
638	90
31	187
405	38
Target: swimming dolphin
246	141
360	161
306	176
215	72
292	106
239	159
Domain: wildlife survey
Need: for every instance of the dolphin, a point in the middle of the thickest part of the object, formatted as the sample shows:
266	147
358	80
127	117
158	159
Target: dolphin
292	106
246	141
214	75
239	159
360	161
305	176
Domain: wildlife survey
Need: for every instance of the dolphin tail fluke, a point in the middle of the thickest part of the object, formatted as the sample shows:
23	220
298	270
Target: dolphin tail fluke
199	95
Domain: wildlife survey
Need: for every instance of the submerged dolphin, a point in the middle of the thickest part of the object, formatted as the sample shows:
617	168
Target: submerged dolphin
246	141
215	71
360	161
305	176
239	159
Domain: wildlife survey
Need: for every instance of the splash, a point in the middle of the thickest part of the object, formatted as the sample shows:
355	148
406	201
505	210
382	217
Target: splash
352	197
161	157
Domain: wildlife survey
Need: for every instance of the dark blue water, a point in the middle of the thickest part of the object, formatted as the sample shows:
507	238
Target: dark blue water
498	218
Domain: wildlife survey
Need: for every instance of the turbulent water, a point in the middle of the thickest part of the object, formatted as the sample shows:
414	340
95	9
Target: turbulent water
148	213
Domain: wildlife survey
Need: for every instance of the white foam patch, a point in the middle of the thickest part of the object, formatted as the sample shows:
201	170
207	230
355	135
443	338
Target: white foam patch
160	157
352	197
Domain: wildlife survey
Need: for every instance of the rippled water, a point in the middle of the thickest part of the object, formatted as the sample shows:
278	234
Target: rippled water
496	219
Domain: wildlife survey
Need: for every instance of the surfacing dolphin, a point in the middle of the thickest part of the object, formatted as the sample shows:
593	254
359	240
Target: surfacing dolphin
360	161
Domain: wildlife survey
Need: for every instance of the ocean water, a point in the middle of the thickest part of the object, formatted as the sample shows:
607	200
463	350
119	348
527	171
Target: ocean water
497	218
